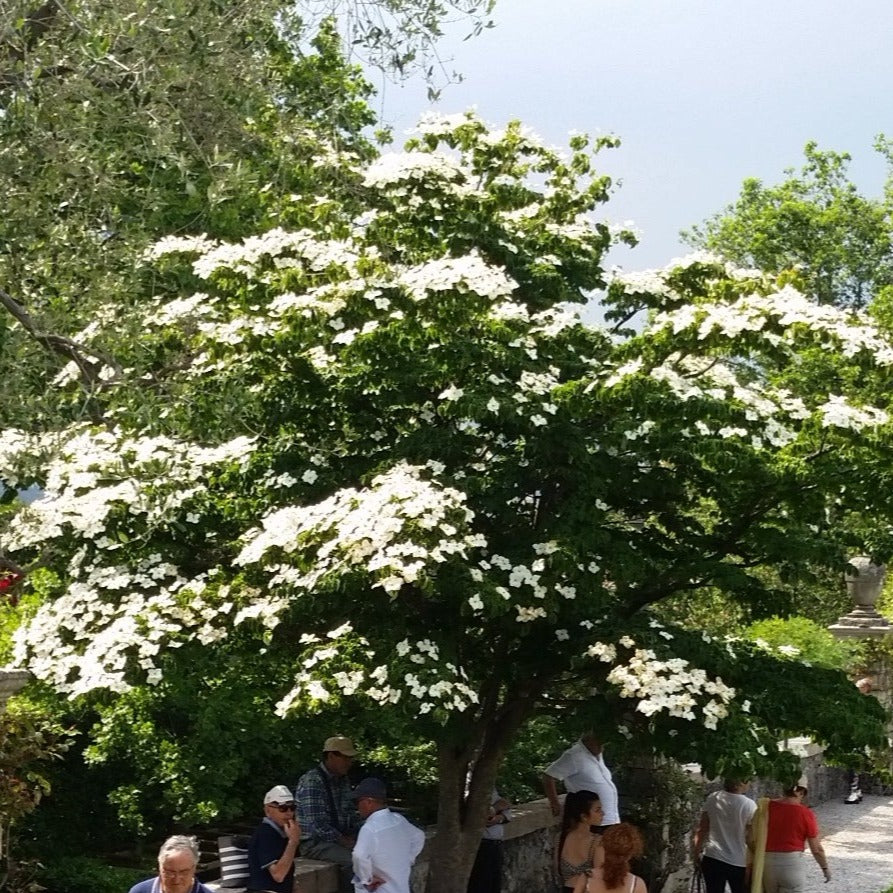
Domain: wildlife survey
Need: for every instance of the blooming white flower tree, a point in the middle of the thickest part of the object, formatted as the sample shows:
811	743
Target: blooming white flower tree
386	458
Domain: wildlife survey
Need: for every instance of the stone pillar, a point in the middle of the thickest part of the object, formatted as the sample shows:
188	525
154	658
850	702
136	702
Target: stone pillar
864	584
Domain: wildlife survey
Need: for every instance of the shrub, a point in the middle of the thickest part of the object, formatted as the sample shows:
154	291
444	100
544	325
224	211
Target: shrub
81	874
801	638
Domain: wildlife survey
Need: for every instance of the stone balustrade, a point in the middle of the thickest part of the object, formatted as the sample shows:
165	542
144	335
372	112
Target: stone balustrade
531	836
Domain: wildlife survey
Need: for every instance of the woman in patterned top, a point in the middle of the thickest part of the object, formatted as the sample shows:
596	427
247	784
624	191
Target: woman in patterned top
579	850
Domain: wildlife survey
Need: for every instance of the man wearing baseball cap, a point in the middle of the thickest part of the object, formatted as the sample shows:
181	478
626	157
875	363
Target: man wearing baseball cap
387	844
273	846
326	809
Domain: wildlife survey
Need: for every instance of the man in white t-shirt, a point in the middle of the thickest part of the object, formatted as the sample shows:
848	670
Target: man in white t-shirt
720	838
582	768
387	844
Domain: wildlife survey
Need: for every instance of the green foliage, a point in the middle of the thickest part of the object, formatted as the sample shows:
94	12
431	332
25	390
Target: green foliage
161	743
815	225
29	741
400	36
806	641
353	463
121	124
659	795
83	874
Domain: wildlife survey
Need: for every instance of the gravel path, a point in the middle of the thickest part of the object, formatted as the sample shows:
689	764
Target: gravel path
859	842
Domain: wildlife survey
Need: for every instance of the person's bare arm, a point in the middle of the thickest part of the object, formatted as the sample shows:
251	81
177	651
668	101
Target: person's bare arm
280	868
818	853
500	812
699	836
551	793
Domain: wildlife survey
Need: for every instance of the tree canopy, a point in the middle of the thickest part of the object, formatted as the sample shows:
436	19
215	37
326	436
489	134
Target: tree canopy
372	460
816	223
318	431
123	122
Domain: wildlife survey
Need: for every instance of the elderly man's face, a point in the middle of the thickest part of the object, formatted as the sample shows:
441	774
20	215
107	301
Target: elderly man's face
177	872
280	813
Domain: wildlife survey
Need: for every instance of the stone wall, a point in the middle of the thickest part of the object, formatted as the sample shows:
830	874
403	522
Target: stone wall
528	848
528	851
531	837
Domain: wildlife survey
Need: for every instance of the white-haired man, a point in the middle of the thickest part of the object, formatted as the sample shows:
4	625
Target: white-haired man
274	845
177	862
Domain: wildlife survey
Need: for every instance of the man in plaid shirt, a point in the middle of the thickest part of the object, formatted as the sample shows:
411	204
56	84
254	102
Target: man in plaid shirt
326	809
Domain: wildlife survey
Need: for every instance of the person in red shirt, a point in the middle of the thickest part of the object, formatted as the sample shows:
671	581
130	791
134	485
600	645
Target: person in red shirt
792	825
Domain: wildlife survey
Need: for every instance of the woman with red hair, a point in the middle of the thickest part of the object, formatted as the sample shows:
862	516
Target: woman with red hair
620	844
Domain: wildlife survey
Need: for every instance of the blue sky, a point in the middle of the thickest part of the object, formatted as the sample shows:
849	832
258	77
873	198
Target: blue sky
702	94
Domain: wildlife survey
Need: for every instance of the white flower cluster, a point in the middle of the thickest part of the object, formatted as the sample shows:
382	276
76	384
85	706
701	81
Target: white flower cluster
436	124
651	282
114	615
603	651
527	586
276	243
550	323
791	651
768	411
469	273
396	529
837	412
787	308
673	686
180	245
394	168
91	473
197	306
432	681
327	299
86	640
15	448
582	229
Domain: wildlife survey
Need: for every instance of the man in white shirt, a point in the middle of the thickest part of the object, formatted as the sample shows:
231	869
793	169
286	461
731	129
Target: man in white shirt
582	768
387	844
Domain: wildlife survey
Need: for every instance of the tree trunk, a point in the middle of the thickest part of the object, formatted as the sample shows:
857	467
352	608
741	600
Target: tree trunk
453	848
466	779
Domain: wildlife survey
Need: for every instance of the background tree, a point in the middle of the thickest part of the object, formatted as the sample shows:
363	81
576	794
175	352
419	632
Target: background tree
816	223
123	122
401	37
377	465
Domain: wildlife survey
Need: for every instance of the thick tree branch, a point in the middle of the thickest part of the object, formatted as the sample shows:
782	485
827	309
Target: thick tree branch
89	361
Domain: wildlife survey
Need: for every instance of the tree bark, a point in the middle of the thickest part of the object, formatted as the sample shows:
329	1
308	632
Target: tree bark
467	777
88	360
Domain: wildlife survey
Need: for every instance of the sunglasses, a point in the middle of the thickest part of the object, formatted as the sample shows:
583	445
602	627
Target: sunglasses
283	807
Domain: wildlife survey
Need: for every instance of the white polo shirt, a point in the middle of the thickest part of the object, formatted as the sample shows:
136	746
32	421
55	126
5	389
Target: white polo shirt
582	770
386	847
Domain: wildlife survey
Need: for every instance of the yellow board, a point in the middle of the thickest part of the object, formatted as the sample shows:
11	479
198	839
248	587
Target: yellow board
759	827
